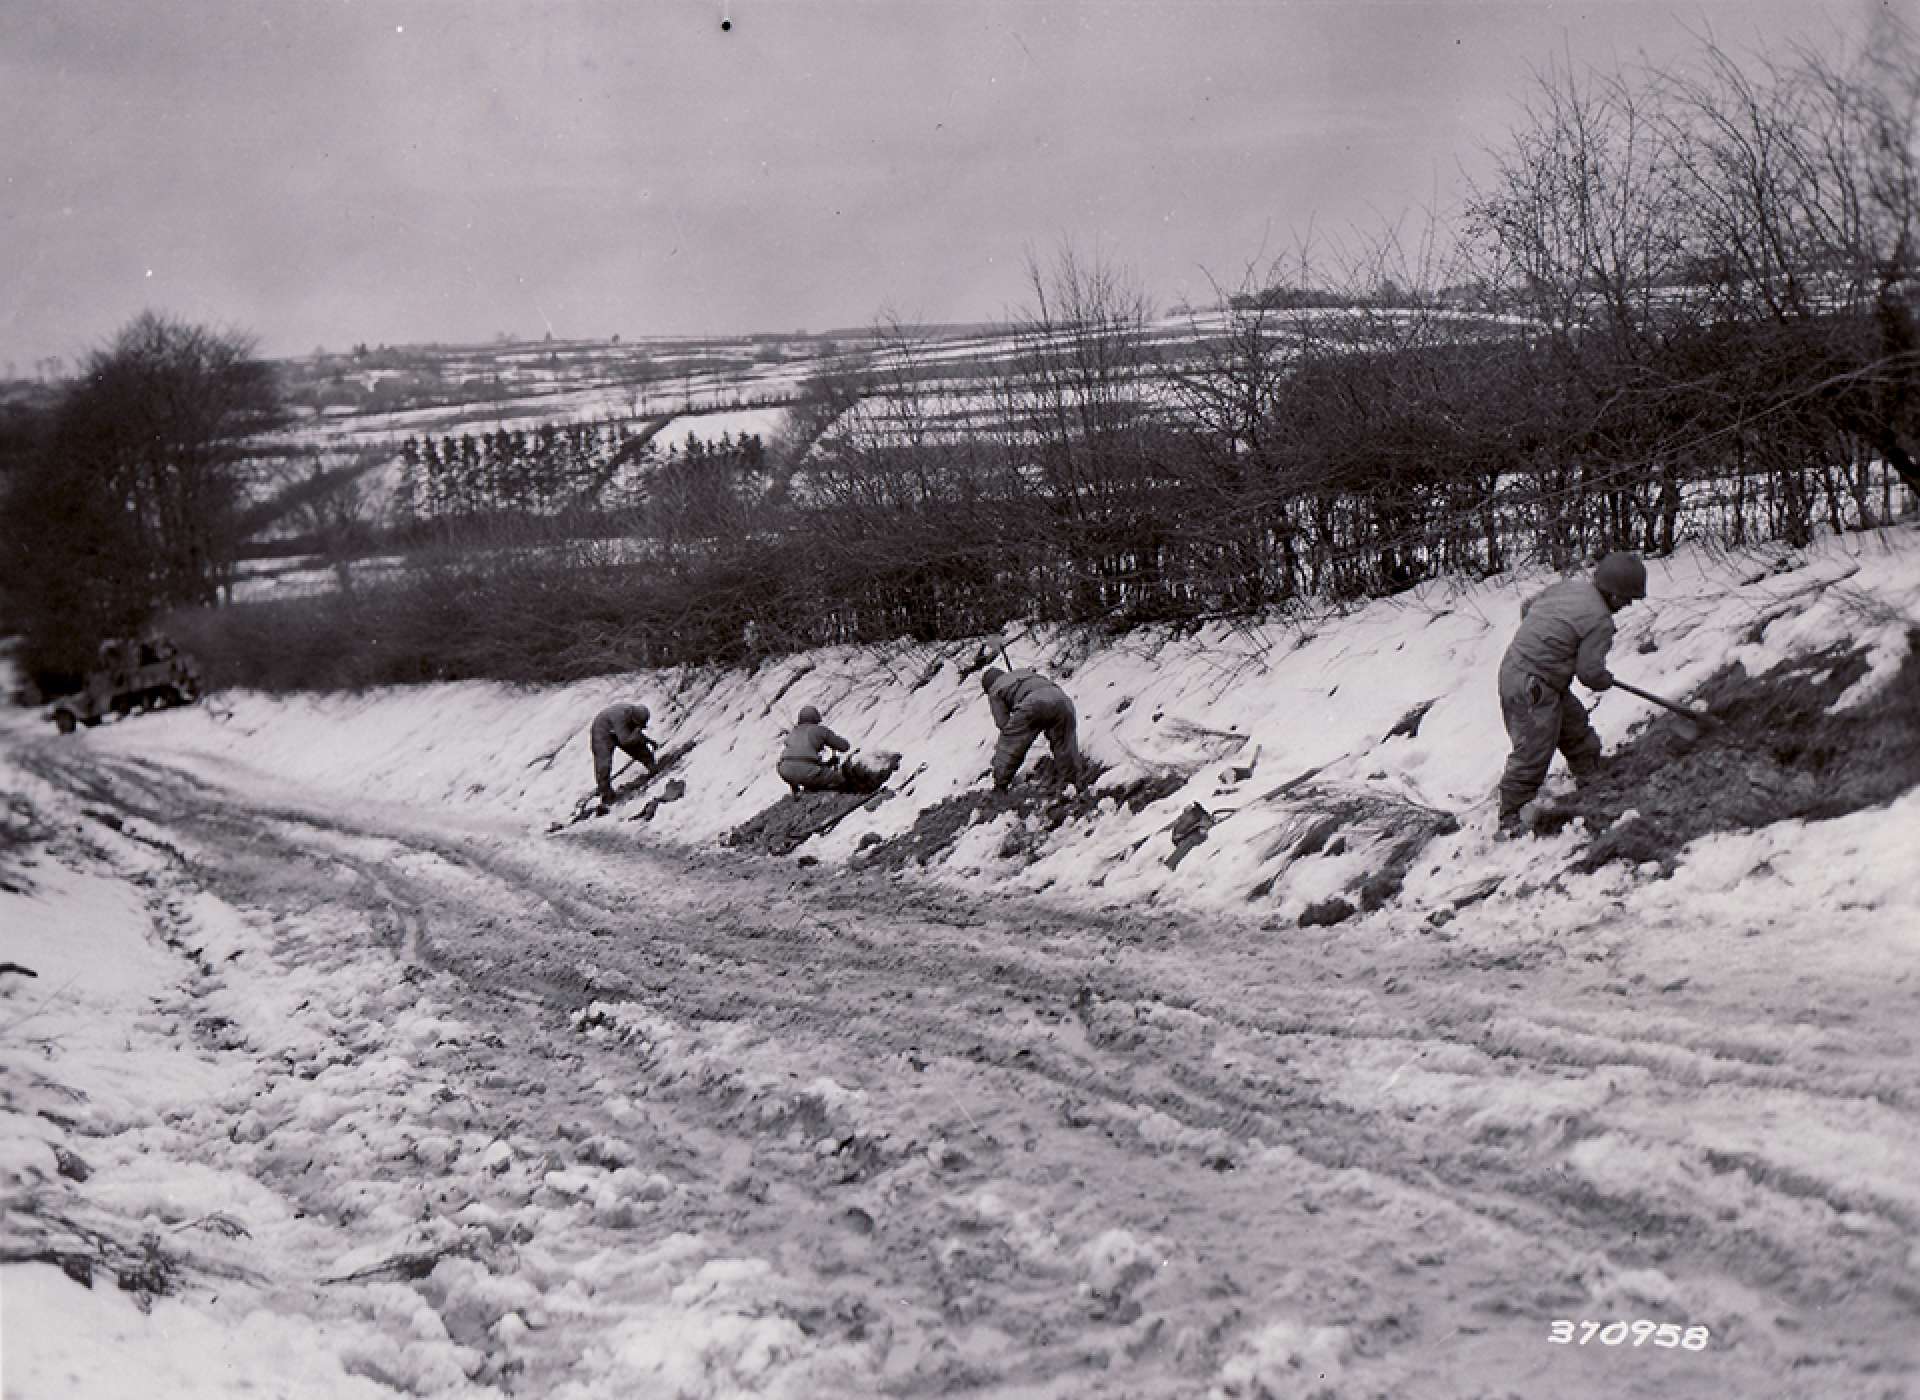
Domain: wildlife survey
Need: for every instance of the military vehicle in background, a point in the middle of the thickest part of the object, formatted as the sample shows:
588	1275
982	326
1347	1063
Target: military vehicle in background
141	673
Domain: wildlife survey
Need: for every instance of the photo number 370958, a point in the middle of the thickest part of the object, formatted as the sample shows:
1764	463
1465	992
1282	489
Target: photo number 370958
1614	1334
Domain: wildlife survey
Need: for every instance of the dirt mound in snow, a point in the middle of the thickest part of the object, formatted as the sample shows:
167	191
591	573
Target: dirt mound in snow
1780	751
798	817
1042	796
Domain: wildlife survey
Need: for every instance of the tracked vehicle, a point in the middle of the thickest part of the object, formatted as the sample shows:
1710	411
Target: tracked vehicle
134	674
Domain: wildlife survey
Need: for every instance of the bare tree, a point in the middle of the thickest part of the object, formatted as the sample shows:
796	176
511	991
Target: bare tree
1804	181
1583	217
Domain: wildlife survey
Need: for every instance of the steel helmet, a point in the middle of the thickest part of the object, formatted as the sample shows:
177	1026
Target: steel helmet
809	715
1622	575
990	677
644	713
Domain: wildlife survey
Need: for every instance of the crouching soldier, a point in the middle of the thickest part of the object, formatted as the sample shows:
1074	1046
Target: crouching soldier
620	727
1026	705
1565	632
801	766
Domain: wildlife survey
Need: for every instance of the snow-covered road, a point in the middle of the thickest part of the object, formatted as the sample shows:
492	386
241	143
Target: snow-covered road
589	1116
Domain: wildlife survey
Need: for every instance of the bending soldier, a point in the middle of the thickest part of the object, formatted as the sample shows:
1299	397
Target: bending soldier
1026	705
800	764
1565	632
620	727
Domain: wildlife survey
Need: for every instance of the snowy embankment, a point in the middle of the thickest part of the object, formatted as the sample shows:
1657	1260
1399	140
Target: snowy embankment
1385	716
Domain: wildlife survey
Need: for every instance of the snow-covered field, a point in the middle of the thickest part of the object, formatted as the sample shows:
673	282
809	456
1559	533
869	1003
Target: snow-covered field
341	1075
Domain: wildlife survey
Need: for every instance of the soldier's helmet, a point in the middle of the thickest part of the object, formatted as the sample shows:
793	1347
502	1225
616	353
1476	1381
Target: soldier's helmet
644	713
990	677
809	715
1622	575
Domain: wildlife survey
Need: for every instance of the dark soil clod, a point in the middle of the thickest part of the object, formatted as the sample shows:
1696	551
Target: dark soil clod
1040	796
797	818
1408	725
1326	913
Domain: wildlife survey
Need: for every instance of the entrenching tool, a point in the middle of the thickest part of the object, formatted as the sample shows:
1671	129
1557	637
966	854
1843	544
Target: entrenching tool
995	645
1698	719
589	806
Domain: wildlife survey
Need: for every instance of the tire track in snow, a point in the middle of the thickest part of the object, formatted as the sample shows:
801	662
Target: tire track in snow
1127	1016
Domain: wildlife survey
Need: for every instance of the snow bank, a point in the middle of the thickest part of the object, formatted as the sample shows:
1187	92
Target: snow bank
1391	706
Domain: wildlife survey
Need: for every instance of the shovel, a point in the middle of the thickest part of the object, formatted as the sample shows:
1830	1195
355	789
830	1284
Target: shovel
1693	720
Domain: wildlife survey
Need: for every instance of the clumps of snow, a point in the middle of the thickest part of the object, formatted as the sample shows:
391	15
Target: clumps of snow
407	1346
1114	1266
712	1330
208	930
990	842
732	1063
628	1197
568	1184
1160	1131
603	1151
473	1299
693	1352
1287	1360
1615	1290
1030	1232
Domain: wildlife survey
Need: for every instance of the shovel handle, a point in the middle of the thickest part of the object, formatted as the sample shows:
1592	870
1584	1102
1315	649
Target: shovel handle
1696	716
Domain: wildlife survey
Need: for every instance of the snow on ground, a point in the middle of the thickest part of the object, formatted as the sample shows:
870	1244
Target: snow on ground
274	1099
139	1158
102	1086
765	423
302	575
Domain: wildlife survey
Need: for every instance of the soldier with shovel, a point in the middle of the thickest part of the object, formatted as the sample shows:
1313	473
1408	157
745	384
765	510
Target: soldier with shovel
1026	705
1565	632
801	767
620	727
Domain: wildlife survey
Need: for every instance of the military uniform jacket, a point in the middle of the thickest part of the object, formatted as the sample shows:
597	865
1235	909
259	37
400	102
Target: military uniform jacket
1565	631
1018	688
622	724
807	740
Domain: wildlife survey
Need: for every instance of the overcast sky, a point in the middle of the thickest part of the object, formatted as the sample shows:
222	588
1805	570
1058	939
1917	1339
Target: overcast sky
323	172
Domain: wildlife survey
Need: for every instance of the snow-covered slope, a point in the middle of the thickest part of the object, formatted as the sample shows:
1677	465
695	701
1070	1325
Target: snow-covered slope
1238	711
